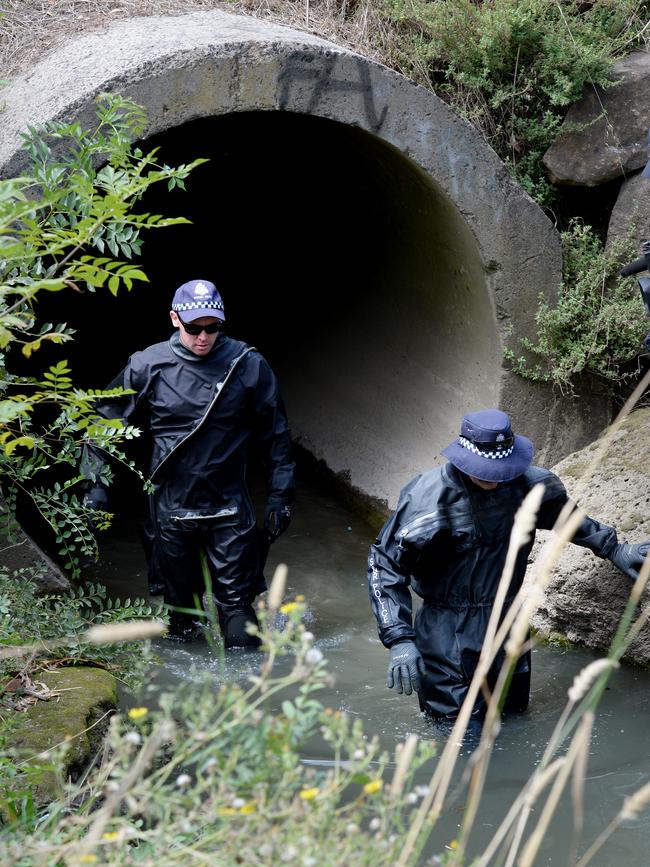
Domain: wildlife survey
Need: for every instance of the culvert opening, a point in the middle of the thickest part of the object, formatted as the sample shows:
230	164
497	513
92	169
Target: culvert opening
343	263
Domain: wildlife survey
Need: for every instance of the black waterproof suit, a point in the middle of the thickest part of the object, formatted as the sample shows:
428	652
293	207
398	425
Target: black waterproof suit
448	540
205	416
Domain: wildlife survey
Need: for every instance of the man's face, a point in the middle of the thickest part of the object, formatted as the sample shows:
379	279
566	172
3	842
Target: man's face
485	486
201	343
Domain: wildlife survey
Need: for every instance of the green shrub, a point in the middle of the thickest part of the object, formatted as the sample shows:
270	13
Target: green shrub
54	625
215	773
510	67
594	327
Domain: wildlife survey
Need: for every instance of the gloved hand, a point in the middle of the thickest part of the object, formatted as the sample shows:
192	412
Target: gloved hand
405	666
629	558
96	498
276	522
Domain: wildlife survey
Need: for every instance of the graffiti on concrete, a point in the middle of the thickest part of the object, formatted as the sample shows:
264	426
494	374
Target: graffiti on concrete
298	71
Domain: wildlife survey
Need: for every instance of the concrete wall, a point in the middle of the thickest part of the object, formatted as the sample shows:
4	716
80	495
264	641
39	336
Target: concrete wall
380	368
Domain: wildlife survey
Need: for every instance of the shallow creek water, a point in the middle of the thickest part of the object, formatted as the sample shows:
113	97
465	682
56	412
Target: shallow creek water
326	548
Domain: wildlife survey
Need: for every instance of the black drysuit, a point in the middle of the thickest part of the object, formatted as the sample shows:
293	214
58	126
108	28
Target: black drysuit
205	416
448	540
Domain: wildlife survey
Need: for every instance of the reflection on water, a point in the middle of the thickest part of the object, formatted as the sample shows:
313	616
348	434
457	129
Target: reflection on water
326	548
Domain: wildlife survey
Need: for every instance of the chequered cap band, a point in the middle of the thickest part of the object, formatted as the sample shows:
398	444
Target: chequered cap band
198	305
493	455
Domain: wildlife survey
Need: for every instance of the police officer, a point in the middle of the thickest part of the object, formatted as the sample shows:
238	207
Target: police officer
209	404
448	540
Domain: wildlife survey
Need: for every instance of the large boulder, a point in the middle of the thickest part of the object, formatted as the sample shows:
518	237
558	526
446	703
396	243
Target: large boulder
586	596
631	213
605	134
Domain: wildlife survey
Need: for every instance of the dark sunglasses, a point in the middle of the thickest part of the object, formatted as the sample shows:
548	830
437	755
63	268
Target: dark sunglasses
493	446
195	330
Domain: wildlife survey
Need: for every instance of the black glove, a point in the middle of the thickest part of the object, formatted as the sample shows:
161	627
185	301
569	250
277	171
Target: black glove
405	666
276	521
96	498
629	558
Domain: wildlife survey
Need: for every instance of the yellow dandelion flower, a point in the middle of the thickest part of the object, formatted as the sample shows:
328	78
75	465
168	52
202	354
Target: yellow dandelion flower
288	607
309	794
372	787
110	835
247	809
138	712
226	811
300	598
453	844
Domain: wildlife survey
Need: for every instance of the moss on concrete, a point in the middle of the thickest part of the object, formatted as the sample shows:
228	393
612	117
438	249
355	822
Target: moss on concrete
86	694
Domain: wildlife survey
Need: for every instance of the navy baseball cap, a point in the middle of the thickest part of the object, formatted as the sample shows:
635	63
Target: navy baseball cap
197	299
488	449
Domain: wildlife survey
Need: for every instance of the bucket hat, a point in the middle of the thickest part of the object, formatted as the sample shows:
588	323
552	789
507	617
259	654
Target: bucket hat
196	299
488	449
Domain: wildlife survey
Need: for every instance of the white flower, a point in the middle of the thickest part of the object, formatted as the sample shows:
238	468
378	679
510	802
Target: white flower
358	754
313	656
307	637
133	738
237	803
411	798
375	824
352	828
183	780
421	791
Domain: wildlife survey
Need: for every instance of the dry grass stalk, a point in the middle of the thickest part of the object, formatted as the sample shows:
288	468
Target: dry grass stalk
134	630
278	586
406	754
160	736
583	681
579	743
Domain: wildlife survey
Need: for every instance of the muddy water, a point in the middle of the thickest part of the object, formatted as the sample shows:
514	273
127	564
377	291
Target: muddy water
326	549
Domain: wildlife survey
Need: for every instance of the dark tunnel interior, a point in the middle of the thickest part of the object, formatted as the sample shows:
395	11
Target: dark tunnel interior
283	220
339	259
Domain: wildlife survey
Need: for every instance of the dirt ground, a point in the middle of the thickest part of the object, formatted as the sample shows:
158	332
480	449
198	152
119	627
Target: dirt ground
30	28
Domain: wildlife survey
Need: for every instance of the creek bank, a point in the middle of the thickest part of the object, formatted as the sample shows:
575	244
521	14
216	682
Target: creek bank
76	716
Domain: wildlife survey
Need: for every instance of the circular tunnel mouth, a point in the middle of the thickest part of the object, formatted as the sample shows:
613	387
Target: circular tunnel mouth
341	261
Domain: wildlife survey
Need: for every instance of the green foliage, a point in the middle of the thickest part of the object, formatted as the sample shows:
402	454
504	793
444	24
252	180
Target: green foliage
55	624
80	193
595	326
217	773
511	67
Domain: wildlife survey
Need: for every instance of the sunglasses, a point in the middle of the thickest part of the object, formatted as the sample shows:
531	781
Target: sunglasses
195	330
493	446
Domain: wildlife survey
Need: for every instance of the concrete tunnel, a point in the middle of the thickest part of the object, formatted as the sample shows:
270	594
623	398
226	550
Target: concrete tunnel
364	238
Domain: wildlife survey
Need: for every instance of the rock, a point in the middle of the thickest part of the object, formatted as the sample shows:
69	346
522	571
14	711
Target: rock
632	208
68	719
21	552
586	596
613	128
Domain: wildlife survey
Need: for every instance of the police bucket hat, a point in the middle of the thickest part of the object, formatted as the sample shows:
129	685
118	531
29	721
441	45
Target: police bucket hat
197	299
488	449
